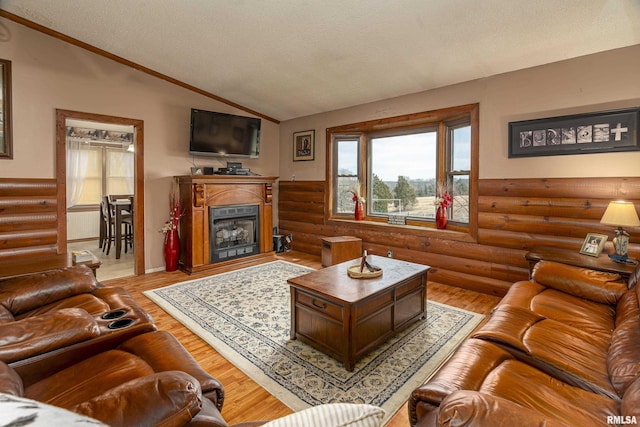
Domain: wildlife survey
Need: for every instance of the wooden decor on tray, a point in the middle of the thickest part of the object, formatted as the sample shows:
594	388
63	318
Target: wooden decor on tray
364	270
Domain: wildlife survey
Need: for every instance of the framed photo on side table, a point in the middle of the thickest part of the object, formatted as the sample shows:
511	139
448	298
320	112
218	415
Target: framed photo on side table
304	145
593	244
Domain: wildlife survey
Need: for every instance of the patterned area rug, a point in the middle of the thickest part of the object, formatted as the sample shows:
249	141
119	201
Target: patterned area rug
245	316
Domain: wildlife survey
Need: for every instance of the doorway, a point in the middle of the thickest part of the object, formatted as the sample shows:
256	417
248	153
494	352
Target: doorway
119	126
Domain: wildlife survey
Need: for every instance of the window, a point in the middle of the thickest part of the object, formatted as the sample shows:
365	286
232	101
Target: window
96	169
400	165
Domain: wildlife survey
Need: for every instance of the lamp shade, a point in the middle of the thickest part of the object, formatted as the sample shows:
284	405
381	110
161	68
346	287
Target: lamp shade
620	214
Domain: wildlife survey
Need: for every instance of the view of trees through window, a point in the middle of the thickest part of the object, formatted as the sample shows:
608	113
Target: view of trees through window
402	174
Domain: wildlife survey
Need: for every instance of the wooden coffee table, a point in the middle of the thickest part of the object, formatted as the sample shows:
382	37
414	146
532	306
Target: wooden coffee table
346	318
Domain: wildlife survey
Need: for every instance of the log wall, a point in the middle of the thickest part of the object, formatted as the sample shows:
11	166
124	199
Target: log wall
29	223
514	215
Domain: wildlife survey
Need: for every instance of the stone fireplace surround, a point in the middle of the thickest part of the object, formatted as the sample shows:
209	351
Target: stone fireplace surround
198	193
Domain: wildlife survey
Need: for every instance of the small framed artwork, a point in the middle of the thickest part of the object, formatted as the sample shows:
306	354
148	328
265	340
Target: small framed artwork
602	132
6	144
304	145
593	244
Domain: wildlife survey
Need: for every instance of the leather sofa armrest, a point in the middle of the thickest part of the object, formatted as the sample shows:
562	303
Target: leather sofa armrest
466	369
472	408
24	293
598	286
10	381
163	352
118	298
28	337
165	398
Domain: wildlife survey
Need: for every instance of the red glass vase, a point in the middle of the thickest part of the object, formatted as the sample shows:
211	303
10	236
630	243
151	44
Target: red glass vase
171	250
441	218
359	213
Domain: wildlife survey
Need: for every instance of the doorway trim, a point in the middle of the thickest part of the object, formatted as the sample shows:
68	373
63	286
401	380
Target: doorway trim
138	177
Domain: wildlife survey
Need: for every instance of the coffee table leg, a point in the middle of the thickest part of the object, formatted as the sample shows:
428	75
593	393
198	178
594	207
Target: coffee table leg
292	331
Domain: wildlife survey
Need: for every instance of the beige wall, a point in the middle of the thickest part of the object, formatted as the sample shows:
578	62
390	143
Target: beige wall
50	74
593	83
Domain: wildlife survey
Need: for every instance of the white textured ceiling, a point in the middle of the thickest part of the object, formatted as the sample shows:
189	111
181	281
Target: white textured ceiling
292	58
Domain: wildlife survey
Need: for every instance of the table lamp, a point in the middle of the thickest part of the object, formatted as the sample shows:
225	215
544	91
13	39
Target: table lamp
620	214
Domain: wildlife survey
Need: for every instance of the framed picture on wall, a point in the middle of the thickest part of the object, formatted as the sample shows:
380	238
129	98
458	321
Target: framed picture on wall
600	132
6	143
593	244
304	143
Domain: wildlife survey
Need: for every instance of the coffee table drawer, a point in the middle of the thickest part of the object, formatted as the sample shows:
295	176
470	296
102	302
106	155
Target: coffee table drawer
320	305
409	286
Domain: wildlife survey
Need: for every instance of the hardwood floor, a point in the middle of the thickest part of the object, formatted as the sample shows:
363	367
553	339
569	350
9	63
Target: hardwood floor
245	400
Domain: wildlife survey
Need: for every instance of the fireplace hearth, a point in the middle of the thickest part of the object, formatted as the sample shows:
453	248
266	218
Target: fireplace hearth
234	232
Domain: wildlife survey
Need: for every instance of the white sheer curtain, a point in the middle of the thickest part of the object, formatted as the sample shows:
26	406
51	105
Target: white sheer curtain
77	163
120	172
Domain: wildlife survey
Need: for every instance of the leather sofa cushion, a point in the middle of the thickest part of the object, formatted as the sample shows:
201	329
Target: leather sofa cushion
471	408
480	366
88	379
574	311
574	355
86	301
37	335
598	286
26	293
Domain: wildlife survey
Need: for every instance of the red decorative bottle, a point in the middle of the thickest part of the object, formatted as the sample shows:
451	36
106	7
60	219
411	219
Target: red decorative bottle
171	250
359	213
441	218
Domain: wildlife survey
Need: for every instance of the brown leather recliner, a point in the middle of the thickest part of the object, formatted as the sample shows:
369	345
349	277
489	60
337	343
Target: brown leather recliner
61	311
147	380
562	349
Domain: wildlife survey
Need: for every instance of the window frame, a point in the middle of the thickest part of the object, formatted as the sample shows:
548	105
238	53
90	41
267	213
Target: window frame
104	148
446	120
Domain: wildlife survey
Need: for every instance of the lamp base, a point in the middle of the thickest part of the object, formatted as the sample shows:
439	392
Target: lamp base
621	259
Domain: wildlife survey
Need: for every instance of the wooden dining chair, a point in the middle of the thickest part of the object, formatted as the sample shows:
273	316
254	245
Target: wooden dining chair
108	220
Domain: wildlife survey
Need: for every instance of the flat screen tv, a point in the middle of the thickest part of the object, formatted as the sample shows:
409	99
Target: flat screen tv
220	134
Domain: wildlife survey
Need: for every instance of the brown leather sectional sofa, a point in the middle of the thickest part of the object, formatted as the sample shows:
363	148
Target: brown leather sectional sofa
560	349
70	342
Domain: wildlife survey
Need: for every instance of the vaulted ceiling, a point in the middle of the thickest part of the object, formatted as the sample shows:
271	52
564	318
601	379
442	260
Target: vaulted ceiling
292	58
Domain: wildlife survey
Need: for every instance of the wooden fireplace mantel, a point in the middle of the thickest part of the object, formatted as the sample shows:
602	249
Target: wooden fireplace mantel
200	192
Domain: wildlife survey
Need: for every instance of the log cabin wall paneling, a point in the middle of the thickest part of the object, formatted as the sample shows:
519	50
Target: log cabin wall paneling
29	223
514	215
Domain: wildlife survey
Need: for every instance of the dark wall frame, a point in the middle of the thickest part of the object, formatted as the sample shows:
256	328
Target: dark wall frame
6	140
598	132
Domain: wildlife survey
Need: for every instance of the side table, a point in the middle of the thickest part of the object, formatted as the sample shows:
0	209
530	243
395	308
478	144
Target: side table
339	249
565	256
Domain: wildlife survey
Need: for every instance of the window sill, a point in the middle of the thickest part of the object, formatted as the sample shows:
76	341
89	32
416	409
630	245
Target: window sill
453	233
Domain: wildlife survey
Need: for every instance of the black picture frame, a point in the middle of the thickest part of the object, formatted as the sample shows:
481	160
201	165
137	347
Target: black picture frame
6	141
304	145
599	132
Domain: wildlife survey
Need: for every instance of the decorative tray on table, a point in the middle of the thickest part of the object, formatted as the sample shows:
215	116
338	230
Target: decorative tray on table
364	270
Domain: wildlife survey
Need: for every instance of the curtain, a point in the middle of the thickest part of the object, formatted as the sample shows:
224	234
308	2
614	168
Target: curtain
77	163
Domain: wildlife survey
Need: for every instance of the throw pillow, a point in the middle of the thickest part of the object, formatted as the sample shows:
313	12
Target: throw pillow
333	415
16	411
